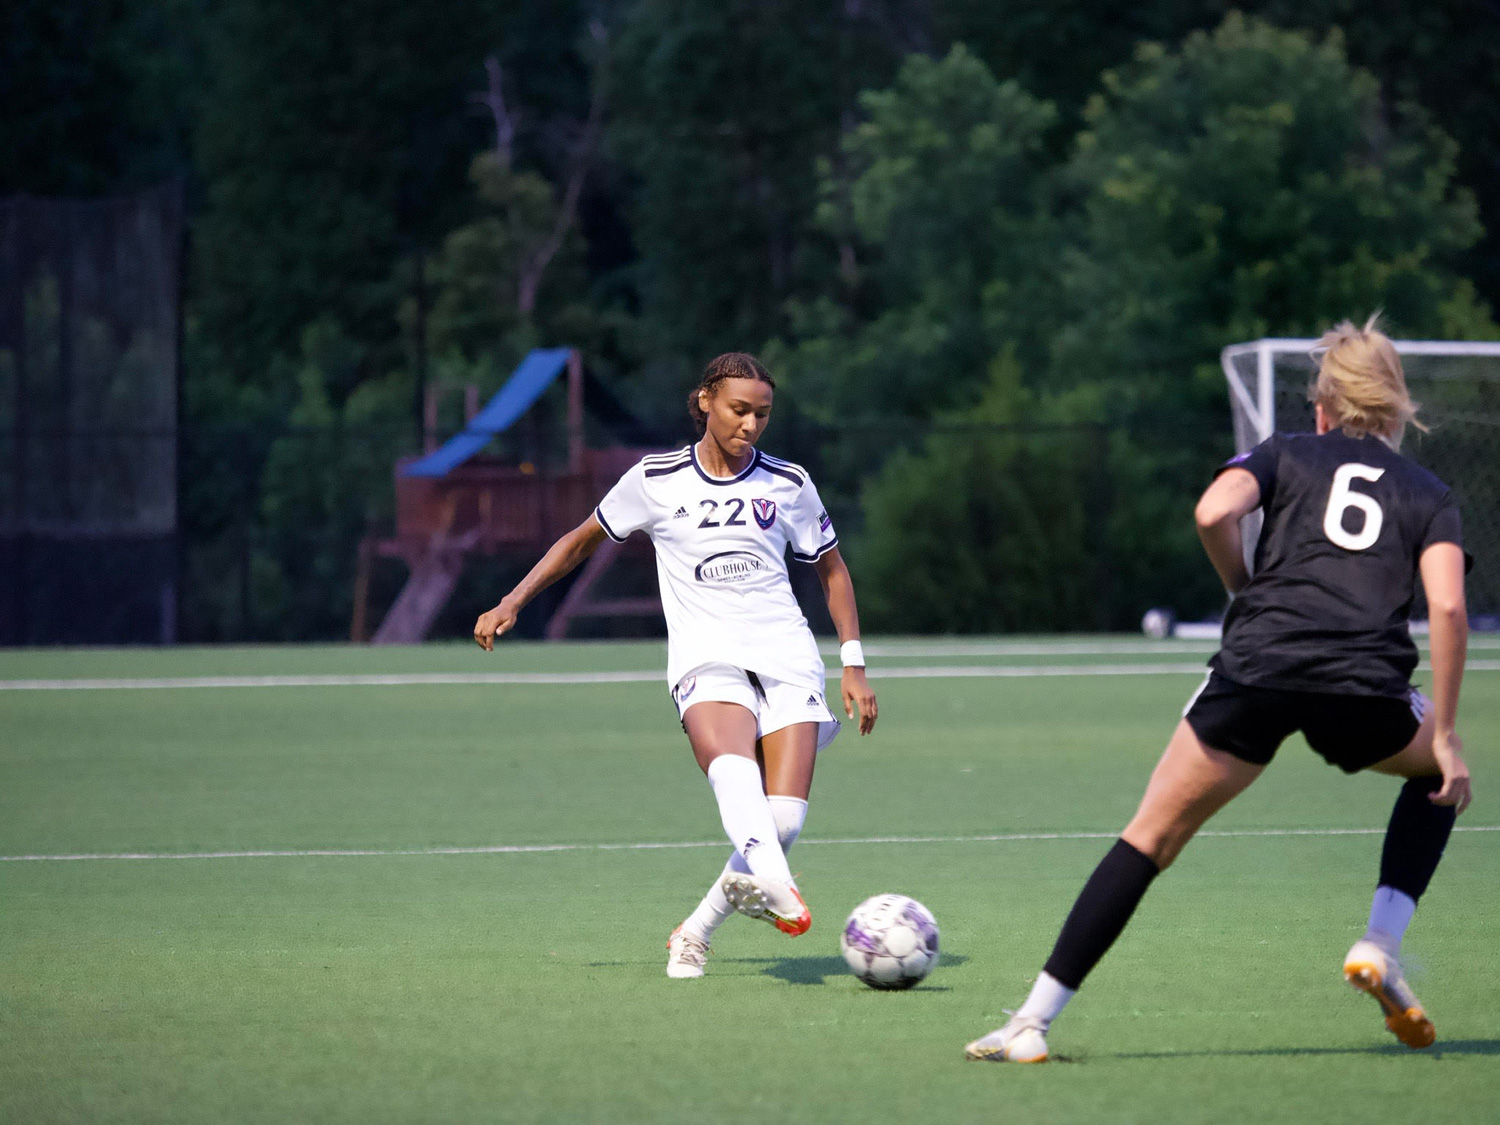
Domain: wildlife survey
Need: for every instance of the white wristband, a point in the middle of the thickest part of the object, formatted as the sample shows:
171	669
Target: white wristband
852	654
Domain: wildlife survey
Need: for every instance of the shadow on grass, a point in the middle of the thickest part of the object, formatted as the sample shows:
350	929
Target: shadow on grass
817	970
1436	1051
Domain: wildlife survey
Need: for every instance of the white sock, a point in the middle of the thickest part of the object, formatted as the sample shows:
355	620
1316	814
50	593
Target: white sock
1390	914
747	817
1049	996
789	814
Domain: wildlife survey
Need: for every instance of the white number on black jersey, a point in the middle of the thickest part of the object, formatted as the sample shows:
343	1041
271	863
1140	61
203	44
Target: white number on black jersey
1342	497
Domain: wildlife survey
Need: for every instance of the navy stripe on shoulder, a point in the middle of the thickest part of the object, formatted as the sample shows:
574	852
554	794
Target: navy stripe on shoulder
818	554
599	515
653	458
668	469
781	470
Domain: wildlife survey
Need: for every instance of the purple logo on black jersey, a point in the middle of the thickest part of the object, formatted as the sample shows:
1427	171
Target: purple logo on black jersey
765	512
1238	457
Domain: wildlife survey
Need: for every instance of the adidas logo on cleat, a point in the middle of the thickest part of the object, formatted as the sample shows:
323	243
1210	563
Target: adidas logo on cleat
679	513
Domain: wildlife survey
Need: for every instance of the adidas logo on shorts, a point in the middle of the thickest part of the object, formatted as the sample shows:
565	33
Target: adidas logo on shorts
812	700
679	513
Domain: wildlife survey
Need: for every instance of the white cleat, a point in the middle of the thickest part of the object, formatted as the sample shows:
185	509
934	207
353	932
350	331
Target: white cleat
1370	969
767	899
686	954
1023	1040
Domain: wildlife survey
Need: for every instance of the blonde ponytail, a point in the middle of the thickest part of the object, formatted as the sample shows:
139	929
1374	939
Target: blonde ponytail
1360	383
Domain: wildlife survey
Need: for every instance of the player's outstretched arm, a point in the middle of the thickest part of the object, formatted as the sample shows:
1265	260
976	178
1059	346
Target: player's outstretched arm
1234	494
838	590
1442	568
560	558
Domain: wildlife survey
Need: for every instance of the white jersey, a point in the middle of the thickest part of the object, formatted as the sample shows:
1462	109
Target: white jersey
721	559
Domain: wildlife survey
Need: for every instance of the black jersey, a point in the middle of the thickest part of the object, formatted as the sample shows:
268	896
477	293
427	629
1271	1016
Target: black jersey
1346	520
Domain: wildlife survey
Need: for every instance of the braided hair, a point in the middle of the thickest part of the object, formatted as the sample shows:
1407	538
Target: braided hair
730	365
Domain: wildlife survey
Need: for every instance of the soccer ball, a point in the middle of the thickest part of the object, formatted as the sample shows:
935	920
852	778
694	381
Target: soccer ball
1159	624
890	941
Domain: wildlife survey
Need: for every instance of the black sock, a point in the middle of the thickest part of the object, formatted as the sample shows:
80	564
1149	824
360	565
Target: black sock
1104	905
1415	838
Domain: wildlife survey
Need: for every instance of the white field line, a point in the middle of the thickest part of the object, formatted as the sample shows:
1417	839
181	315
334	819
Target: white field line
1164	648
529	849
1039	648
419	679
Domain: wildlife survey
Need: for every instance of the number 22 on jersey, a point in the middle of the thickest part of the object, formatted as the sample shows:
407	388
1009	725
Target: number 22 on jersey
1342	497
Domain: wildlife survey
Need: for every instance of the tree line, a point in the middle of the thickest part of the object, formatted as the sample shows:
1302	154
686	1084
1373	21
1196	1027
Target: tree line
991	251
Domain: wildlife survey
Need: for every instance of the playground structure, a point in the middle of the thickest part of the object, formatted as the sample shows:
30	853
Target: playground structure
454	502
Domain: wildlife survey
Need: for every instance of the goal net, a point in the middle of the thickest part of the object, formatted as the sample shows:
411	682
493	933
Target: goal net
1457	386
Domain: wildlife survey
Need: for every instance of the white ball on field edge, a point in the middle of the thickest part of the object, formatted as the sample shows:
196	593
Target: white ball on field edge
1158	623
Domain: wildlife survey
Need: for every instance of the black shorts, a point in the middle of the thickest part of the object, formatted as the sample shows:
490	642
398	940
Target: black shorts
1352	732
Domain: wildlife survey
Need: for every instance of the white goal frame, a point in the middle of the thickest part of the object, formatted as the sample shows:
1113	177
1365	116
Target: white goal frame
1259	401
1254	394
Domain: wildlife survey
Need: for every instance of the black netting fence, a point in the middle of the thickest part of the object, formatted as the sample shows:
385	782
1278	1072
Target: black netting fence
88	418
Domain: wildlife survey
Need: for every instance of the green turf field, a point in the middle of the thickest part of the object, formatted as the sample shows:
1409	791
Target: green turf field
410	983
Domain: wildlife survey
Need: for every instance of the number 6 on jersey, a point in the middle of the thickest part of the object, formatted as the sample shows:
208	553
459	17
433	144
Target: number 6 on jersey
1342	497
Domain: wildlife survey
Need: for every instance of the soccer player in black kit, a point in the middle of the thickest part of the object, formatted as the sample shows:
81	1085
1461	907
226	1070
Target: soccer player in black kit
1316	641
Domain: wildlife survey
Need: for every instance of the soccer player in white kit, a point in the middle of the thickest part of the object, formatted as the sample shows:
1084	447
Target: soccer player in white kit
743	666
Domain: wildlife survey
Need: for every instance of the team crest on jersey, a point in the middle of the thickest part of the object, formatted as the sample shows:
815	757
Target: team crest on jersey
765	512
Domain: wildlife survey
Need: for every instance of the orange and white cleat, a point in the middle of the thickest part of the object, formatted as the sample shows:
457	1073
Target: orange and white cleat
1022	1040
686	954
775	902
1371	969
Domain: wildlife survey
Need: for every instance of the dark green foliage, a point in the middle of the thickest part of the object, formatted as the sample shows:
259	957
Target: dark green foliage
985	531
891	199
945	214
328	149
1244	185
96	96
1248	185
723	111
1443	55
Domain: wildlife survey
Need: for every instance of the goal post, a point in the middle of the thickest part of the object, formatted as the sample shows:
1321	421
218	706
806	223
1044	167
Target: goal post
1456	384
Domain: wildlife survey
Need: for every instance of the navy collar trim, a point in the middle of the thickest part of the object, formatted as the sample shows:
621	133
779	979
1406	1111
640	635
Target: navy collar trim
741	475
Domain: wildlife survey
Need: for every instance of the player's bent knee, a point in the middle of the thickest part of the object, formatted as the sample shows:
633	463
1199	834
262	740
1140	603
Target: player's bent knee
1160	845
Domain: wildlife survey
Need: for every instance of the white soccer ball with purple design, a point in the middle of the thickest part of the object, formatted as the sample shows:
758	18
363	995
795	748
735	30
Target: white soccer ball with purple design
890	941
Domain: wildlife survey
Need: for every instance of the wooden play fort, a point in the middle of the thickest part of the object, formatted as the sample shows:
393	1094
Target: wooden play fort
454	502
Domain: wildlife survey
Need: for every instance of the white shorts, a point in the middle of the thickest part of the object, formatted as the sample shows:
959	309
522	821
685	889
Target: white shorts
774	703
